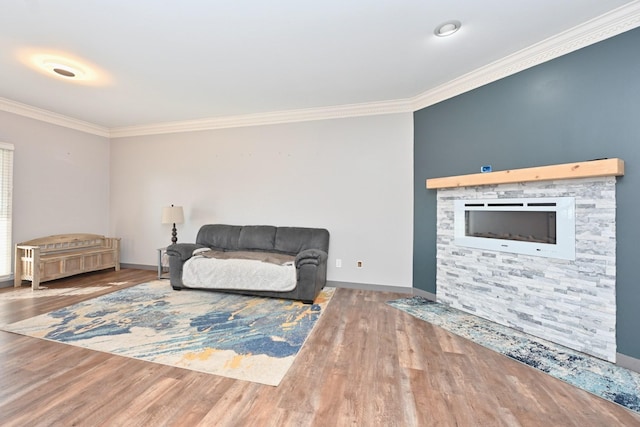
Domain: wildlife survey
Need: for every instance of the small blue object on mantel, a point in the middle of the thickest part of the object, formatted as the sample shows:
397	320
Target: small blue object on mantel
485	169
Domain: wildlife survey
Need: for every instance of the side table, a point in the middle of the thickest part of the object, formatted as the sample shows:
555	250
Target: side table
163	263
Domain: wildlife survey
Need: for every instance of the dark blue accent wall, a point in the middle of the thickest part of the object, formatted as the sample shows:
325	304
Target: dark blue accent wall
581	106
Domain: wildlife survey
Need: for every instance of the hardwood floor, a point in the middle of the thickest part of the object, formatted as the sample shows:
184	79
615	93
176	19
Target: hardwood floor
365	364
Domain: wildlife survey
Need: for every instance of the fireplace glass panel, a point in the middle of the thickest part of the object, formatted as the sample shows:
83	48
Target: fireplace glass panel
534	226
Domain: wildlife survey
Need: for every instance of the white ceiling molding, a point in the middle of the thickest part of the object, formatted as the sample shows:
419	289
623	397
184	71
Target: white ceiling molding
603	27
51	117
304	115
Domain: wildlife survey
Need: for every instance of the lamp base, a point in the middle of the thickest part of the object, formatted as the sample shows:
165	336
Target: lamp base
174	235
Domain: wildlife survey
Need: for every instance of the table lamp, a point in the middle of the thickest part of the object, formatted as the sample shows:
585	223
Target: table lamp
173	215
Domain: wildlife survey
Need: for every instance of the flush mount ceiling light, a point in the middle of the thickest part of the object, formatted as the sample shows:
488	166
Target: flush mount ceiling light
63	66
447	28
63	69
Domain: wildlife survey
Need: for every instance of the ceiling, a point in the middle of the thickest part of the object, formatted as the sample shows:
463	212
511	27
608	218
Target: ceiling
159	61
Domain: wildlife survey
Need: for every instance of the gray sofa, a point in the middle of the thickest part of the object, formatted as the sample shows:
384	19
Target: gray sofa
310	247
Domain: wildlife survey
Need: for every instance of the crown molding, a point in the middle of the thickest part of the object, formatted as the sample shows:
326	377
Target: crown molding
605	26
270	118
610	24
51	117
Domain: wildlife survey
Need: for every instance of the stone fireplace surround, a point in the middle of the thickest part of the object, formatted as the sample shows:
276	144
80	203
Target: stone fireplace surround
569	302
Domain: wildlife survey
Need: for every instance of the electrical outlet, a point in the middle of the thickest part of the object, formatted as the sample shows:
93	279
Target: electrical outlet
338	263
359	264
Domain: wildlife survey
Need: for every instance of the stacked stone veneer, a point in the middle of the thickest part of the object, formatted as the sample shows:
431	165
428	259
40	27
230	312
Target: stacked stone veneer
572	303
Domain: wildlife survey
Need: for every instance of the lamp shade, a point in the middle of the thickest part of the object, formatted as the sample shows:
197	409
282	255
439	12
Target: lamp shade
172	215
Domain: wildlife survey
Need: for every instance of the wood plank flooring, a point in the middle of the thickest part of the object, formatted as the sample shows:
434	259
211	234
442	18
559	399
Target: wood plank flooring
365	364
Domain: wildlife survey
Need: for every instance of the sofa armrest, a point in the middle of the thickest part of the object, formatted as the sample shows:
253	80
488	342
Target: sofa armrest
183	250
311	256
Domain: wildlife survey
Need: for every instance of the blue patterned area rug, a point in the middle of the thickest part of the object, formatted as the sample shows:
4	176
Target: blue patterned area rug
246	338
594	375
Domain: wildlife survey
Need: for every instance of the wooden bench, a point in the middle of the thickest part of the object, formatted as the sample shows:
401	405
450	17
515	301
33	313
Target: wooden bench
63	255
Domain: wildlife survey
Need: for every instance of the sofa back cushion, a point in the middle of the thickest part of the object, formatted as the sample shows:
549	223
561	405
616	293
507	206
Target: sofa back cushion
289	240
293	240
257	238
219	236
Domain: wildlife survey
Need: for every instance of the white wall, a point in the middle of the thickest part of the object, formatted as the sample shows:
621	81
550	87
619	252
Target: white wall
353	176
61	179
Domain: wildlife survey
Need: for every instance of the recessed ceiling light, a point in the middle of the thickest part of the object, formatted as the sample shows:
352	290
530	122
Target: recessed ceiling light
447	28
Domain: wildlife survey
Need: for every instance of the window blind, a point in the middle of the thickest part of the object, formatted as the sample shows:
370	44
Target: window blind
6	197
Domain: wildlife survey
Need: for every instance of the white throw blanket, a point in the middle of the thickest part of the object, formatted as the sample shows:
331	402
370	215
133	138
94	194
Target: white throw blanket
241	274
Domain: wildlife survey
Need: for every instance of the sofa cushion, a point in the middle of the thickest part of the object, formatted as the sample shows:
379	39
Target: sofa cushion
270	257
293	240
257	237
219	236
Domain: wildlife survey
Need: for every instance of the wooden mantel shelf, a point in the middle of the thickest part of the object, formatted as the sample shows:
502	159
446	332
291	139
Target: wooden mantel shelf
592	168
